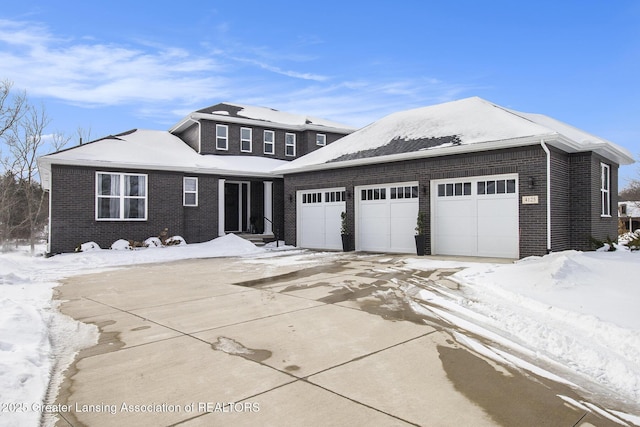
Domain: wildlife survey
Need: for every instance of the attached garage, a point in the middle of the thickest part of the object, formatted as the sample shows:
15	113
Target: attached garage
475	216
386	217
318	219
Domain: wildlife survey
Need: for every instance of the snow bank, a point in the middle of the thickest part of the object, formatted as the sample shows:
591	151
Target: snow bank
35	339
579	310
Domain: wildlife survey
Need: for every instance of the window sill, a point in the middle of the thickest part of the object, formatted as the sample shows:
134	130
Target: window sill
121	219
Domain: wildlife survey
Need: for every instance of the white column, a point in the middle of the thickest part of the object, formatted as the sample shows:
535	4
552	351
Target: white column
268	207
221	207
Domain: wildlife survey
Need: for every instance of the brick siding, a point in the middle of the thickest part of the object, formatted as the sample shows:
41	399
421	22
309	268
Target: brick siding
305	140
572	207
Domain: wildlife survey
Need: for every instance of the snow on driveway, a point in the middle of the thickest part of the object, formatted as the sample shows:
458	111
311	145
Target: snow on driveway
576	311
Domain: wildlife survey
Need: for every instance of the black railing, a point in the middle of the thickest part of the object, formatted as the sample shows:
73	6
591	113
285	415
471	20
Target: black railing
276	232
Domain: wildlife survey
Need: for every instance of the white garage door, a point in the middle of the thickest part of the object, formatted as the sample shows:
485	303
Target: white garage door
386	217
319	222
475	216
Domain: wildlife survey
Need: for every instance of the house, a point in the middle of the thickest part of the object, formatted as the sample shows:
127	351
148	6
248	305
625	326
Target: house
492	182
208	175
629	214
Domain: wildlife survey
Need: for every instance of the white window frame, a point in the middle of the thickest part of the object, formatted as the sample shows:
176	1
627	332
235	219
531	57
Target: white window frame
248	140
321	139
605	190
272	142
290	144
224	138
121	197
185	191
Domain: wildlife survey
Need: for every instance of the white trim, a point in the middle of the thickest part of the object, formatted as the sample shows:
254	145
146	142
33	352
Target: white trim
250	140
121	197
620	156
45	165
268	207
548	153
261	123
324	136
49	221
287	144
225	138
221	206
605	190
185	192
264	142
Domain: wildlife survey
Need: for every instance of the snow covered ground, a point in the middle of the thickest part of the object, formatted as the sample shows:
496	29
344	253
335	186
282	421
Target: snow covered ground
574	315
569	315
35	338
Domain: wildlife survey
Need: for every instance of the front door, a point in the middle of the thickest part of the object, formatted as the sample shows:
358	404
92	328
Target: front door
236	206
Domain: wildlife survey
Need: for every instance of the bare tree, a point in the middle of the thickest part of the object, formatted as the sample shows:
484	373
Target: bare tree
25	142
11	107
11	111
84	135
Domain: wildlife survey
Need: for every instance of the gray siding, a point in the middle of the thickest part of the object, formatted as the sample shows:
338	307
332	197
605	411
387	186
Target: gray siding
191	137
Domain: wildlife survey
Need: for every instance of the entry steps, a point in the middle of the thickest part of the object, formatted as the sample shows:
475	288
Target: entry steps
257	239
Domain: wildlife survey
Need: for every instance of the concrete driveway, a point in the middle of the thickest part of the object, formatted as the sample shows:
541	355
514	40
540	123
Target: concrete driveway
295	340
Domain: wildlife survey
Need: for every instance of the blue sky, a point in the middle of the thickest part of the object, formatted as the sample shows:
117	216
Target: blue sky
113	66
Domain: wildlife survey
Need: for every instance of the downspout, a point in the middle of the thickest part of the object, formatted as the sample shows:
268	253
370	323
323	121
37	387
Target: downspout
546	150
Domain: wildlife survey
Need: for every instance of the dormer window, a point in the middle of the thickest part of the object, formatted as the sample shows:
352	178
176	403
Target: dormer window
222	137
321	139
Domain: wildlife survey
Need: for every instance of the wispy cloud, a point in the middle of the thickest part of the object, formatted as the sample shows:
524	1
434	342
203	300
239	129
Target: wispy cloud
288	73
163	81
82	72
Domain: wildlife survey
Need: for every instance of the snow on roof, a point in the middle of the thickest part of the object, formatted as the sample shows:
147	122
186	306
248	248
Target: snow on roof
470	124
632	209
155	150
270	115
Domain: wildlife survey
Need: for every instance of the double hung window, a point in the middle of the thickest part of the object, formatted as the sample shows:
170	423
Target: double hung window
121	196
269	141
190	191
290	144
246	142
605	190
222	137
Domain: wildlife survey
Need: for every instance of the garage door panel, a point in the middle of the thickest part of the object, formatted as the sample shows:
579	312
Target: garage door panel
467	223
319	221
387	224
333	225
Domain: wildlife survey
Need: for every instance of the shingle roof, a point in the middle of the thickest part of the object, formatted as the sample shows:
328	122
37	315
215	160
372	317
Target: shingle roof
471	124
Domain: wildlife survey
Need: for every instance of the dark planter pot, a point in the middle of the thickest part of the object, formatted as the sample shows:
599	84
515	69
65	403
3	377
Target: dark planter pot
420	243
346	243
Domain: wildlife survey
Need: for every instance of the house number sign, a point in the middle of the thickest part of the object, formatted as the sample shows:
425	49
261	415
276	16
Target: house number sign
529	200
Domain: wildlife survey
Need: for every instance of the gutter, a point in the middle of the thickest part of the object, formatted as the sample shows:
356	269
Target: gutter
548	153
413	155
196	169
262	123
